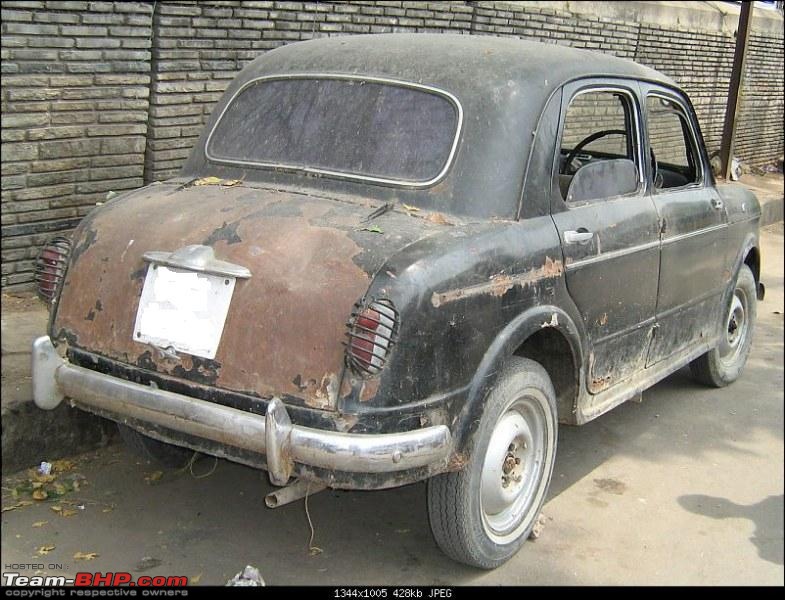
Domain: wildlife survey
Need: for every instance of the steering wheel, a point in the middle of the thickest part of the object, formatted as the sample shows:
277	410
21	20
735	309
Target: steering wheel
585	142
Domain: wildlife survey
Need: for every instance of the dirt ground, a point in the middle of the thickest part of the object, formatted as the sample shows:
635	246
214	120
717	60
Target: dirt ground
685	487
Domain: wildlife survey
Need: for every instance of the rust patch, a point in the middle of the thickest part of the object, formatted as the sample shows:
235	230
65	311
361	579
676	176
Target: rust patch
288	319
226	232
500	284
345	422
457	461
369	389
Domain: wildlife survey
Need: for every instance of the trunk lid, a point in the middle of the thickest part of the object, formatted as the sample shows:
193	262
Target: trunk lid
311	259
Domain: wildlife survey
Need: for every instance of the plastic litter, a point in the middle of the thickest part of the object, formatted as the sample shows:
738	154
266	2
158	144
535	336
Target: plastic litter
45	468
248	577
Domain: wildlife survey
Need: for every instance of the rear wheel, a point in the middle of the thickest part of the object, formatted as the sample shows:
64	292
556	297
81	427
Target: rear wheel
483	514
723	365
166	455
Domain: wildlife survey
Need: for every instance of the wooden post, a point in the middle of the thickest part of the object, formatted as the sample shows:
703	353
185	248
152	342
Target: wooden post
734	90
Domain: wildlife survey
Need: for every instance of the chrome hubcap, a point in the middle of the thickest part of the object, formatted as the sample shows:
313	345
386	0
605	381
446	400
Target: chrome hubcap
735	328
513	469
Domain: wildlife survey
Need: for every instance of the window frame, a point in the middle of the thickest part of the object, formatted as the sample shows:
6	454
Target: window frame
633	114
405	183
685	117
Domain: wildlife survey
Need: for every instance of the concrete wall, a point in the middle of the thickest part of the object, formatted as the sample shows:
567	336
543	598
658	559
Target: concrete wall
100	96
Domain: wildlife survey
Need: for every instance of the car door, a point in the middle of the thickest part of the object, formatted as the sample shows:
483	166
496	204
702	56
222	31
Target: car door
609	231
693	265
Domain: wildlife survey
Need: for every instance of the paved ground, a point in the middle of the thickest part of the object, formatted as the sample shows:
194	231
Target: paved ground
683	488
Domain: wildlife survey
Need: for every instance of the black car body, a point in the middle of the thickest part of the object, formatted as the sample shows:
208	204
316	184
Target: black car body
400	217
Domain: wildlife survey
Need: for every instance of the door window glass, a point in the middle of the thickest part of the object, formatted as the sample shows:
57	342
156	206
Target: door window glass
672	150
598	126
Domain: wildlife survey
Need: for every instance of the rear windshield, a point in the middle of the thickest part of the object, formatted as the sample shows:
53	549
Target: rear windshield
350	127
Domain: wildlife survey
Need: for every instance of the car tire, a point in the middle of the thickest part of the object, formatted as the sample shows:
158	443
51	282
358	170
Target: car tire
724	364
166	455
482	515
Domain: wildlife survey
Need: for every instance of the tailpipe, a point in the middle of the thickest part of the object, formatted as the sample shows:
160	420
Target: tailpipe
292	493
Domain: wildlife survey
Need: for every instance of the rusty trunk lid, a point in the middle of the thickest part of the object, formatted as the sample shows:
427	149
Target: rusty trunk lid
311	259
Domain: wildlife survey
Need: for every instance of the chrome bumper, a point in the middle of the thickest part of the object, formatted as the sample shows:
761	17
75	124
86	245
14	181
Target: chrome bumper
274	435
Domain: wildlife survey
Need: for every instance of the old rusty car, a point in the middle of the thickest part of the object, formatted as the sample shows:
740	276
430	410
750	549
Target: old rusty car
407	257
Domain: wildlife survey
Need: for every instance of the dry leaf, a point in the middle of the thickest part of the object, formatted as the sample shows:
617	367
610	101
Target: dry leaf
57	509
229	182
154	476
67	513
40	523
195	579
44	550
63	465
410	208
108	509
85	555
20	504
437	218
40	495
208	181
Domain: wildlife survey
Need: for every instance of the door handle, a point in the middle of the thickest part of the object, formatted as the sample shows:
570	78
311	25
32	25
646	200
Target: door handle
716	203
578	237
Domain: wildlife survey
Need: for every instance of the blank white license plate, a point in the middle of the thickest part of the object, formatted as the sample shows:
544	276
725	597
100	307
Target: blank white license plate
183	309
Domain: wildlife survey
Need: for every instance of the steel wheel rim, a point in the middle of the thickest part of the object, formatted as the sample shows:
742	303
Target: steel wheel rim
736	327
512	481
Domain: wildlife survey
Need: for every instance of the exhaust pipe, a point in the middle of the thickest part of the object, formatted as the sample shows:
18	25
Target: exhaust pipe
292	493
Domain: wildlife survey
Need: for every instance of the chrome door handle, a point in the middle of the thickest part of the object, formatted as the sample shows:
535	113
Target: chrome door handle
716	203
577	237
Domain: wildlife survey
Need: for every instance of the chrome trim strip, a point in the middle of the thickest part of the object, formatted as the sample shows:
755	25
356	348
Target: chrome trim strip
272	434
339	174
684	236
197	258
610	255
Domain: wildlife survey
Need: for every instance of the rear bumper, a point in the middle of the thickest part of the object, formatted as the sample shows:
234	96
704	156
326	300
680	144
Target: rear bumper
273	434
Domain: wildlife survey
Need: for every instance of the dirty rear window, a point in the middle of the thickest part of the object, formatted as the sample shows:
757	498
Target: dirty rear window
350	127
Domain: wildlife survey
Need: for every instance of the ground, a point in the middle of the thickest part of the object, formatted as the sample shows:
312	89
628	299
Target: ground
685	487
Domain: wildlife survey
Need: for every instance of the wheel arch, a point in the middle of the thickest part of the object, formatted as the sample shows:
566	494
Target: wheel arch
543	334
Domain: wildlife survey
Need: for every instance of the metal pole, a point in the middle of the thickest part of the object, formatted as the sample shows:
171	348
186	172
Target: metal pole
734	90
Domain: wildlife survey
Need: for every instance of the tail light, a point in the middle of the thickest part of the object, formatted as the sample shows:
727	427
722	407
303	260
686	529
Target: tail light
372	332
50	267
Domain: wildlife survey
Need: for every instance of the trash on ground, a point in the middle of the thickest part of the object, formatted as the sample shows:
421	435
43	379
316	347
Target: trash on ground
248	577
85	555
45	468
147	563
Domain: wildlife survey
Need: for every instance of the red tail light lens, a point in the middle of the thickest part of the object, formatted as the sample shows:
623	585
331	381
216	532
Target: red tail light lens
50	267
372	332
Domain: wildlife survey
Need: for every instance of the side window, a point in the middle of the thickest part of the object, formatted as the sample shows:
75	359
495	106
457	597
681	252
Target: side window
599	127
674	159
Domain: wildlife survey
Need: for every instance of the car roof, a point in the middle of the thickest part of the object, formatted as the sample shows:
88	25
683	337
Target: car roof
503	85
459	62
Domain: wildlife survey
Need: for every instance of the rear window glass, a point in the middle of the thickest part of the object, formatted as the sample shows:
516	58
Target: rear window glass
340	126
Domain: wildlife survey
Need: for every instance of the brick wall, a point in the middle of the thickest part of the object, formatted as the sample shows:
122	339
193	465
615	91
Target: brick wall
75	87
100	96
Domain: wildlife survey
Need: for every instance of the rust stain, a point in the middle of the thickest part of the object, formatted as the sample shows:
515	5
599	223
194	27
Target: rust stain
500	284
288	319
369	389
457	461
438	218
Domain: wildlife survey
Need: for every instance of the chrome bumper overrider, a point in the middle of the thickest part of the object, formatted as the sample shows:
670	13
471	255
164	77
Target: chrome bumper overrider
274	435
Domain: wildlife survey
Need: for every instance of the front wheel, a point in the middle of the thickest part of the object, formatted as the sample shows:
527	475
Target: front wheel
482	515
723	365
